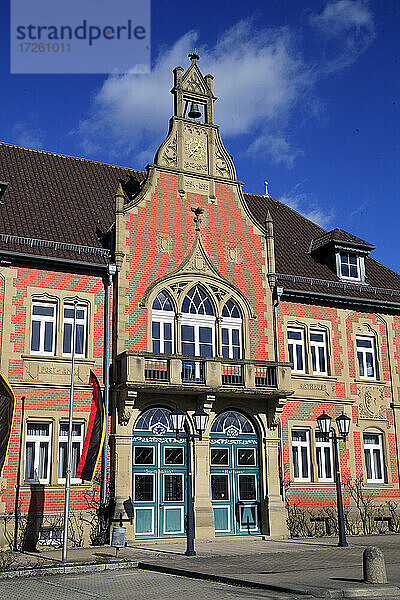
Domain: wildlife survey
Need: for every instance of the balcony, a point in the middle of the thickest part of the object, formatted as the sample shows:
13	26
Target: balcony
183	374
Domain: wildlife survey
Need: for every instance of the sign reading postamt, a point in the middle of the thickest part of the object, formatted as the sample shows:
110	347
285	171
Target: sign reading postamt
80	36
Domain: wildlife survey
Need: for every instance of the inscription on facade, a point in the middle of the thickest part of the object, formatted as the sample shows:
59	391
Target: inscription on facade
38	372
197	186
314	389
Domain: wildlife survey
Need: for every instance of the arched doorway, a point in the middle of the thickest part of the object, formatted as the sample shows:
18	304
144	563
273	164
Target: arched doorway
159	470
235	475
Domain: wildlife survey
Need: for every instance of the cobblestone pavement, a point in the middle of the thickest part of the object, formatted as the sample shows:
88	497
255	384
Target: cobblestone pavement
127	585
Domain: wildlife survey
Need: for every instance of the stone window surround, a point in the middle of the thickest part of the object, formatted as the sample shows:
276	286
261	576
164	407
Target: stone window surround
311	427
367	329
59	298
360	266
310	325
218	306
370	426
53	417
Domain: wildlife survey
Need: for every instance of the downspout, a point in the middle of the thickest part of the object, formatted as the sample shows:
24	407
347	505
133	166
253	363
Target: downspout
279	291
111	270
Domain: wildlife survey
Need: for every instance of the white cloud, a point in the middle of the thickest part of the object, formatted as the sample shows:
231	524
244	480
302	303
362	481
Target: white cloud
261	78
349	26
342	16
277	147
310	208
27	136
257	77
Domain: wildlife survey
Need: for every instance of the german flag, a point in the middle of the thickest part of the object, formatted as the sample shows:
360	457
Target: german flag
94	438
7	408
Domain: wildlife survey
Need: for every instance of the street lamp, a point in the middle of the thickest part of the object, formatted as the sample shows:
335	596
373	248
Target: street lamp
178	418
343	424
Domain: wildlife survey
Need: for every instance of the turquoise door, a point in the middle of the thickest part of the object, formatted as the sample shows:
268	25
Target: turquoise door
159	477
235	480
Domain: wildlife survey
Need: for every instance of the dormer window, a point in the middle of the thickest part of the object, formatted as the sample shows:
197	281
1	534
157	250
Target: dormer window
343	253
349	266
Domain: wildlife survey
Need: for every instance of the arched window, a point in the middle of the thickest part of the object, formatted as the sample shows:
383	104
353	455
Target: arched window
197	302
198	324
226	421
153	417
162	325
231	331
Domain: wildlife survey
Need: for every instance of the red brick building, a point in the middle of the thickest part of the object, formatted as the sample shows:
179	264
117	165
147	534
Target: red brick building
223	300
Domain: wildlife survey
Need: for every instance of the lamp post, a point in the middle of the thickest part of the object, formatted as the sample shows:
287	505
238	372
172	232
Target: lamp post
343	424
178	418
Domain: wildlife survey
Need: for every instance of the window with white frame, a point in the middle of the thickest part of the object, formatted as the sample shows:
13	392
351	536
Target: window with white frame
162	325
301	454
296	349
231	331
373	452
77	444
319	353
80	329
37	452
323	451
43	327
366	357
349	266
197	324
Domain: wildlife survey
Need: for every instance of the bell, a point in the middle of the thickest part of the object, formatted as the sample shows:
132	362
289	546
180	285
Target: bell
194	112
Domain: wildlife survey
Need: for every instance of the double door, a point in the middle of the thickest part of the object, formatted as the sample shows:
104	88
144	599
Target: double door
159	487
235	489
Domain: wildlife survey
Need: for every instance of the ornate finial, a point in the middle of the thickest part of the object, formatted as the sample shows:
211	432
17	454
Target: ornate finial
197	211
194	56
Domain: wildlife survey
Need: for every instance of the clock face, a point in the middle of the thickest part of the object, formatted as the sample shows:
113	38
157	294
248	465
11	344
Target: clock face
195	148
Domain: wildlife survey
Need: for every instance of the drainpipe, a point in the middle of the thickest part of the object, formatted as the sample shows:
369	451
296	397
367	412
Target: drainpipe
111	270
279	292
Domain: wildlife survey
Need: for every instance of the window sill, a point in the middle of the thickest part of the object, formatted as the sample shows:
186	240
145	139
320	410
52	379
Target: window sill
57	358
378	484
57	486
316	376
318	484
372	381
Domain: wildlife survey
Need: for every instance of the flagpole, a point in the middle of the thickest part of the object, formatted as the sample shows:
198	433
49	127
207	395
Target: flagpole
18	485
69	446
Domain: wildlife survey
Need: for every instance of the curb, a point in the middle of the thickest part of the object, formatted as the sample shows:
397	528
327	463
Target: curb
305	591
69	568
221	579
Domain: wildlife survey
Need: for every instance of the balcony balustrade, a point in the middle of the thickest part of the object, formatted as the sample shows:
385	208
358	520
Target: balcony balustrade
180	373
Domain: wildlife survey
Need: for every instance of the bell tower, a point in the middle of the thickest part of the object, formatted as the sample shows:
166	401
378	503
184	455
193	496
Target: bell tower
193	148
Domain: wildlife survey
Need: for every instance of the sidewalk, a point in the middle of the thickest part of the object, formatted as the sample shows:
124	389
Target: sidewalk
315	567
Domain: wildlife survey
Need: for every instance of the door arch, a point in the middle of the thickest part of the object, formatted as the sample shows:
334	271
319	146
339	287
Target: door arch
159	471
235	474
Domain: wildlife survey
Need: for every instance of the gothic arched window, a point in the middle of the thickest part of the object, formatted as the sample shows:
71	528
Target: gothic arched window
153	417
231	330
198	323
162	325
232	419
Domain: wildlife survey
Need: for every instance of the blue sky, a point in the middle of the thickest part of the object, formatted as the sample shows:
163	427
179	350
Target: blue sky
308	100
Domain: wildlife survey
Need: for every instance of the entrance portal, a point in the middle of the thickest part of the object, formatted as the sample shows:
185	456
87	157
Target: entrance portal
235	478
159	470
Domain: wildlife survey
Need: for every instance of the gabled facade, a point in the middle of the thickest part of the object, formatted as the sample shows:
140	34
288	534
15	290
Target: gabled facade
222	300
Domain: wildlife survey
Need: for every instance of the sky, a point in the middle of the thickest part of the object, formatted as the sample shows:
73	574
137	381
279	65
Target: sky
308	100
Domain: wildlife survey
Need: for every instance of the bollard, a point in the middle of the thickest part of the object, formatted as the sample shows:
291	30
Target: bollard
374	570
